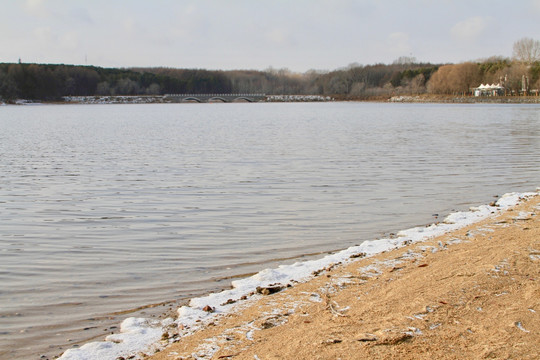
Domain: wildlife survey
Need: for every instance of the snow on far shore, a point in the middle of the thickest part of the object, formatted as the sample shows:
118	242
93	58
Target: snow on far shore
117	99
138	335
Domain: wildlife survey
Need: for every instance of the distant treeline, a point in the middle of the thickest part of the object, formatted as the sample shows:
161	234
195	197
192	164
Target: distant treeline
51	82
405	76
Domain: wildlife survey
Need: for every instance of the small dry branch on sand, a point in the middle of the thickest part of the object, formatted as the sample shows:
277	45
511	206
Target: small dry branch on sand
332	305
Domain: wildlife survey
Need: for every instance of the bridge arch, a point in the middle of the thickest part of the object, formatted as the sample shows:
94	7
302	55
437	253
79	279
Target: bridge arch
214	98
245	98
191	98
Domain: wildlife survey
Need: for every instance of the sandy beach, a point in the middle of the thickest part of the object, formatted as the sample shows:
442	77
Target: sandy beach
470	294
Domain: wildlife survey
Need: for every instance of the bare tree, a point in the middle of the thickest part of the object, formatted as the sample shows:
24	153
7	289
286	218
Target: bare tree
454	79
465	76
405	60
358	88
127	87
515	76
153	89
527	50
417	84
103	88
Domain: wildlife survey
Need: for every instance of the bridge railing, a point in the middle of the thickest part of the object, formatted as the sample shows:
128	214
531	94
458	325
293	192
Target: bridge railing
214	95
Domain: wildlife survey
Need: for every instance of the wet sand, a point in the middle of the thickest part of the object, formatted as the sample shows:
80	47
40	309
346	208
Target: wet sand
470	294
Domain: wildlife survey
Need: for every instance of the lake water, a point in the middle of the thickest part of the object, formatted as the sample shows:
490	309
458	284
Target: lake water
106	209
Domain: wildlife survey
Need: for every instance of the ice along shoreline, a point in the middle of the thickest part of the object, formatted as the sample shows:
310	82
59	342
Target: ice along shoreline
144	336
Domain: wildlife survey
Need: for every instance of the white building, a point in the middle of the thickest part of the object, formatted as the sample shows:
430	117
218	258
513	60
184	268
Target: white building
489	90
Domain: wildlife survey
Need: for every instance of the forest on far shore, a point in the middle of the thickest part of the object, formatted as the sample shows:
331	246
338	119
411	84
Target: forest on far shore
519	75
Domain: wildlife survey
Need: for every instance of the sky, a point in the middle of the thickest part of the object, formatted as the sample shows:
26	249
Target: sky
299	35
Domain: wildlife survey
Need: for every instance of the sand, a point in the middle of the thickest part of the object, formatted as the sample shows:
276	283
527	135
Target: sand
470	294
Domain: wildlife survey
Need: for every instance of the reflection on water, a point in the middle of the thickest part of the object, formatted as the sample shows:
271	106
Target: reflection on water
114	207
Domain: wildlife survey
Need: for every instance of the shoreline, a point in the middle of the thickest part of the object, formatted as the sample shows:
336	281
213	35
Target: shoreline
417	99
203	313
470	293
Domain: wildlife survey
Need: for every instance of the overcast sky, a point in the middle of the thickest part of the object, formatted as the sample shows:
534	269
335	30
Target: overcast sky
252	34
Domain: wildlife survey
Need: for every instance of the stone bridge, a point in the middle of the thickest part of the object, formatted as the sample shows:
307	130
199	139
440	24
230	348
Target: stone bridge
214	97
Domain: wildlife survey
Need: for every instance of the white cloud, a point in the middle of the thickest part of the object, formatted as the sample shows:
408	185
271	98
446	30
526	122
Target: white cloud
32	5
81	15
130	25
49	43
189	23
536	5
279	36
70	40
398	44
44	34
470	29
36	8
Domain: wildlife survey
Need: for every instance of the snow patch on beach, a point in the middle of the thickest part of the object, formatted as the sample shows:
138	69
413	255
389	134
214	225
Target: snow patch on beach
140	335
136	334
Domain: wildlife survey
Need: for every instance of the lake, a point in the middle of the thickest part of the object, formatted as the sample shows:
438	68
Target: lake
110	211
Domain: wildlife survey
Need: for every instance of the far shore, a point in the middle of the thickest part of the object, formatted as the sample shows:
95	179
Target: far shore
445	99
420	98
